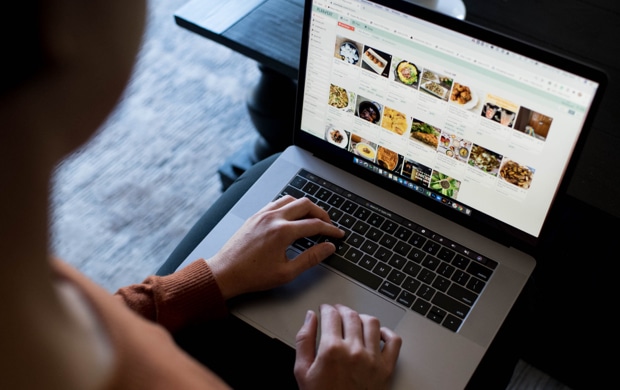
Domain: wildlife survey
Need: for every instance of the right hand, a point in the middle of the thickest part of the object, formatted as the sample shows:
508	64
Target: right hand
349	355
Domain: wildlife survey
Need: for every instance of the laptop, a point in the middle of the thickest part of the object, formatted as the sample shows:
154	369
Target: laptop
439	147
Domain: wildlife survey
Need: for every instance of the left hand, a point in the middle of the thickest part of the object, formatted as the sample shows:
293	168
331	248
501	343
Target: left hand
254	259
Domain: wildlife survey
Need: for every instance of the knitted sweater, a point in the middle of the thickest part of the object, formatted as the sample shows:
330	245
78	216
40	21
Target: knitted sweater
138	320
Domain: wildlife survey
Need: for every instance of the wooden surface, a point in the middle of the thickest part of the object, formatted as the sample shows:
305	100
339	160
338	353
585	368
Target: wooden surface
584	29
269	33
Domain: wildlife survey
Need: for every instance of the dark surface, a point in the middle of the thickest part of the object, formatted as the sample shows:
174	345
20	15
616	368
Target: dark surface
567	326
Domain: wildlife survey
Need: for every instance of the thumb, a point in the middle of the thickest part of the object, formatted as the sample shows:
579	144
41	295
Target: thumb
305	343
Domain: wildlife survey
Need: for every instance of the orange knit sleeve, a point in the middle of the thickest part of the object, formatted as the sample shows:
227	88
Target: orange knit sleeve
188	296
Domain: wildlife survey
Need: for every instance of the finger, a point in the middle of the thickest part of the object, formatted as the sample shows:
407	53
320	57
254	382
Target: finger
372	332
305	342
278	203
311	257
312	227
304	208
331	324
352	325
391	345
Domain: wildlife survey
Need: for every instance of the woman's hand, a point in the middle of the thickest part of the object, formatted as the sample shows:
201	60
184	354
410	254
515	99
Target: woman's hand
350	354
254	259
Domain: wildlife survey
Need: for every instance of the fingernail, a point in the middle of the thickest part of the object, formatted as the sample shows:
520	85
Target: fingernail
327	250
308	316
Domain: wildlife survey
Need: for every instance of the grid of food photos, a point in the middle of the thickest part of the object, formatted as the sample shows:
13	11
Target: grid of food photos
424	123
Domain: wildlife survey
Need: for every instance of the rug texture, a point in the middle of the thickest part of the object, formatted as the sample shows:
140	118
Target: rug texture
123	201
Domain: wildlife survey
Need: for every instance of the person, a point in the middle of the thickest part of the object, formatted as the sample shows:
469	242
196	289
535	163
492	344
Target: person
66	64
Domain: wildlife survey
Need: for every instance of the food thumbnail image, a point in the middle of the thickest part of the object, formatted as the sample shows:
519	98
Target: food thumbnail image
368	110
516	174
485	160
407	73
376	61
339	97
388	159
363	147
453	146
348	50
464	96
426	134
337	136
436	84
445	184
394	121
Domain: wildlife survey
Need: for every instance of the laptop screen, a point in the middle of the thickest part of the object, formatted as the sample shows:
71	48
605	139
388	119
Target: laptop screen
474	125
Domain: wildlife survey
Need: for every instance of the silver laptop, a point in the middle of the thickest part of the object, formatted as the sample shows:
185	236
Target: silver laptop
439	147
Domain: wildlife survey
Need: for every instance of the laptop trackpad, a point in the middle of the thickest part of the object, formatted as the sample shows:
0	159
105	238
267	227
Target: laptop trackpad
281	312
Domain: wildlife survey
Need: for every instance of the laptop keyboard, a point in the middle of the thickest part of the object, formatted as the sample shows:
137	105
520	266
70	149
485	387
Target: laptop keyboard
403	261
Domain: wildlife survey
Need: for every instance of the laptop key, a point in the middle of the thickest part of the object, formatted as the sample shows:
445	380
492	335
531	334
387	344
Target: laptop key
294	192
417	240
431	247
441	283
445	254
348	207
353	255
354	239
335	214
361	275
431	262
335	200
397	261
360	227
396	276
411	284
405	298
402	248
403	233
479	271
362	213
323	194
452	323
461	294
382	269
389	289
476	285
388	241
310	188
375	220
383	254
436	314
298	182
389	226
412	268
368	262
421	306
374	234
450	305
